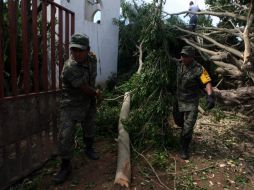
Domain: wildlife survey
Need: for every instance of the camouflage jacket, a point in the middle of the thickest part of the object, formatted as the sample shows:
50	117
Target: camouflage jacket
73	75
190	80
92	68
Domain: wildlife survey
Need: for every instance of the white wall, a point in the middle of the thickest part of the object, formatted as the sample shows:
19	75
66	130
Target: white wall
103	36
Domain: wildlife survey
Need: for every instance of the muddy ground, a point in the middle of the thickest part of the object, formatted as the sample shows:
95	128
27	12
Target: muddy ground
222	158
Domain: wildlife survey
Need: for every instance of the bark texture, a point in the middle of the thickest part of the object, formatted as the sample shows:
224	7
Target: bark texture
123	172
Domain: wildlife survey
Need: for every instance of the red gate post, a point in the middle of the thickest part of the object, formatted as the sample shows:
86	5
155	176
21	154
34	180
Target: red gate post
25	55
35	46
44	46
53	49
72	23
13	54
1	52
67	28
60	43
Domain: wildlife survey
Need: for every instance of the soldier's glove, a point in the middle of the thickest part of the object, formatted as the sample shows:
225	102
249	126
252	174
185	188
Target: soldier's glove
210	102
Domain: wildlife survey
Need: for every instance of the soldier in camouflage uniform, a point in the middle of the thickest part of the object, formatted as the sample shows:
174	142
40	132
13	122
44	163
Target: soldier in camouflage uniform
191	77
78	103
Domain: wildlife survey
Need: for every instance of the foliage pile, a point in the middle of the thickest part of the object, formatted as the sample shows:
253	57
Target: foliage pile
152	88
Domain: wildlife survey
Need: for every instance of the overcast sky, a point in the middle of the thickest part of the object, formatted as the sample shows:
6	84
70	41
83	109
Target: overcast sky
180	5
173	6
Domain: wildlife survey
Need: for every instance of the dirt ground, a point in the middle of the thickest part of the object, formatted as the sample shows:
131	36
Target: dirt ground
222	158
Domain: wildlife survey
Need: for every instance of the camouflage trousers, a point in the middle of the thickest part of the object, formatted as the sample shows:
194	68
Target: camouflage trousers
186	120
67	128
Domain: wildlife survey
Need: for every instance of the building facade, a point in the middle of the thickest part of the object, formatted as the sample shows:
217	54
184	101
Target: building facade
95	18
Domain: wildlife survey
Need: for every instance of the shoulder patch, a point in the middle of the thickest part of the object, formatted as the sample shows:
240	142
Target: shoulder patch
205	78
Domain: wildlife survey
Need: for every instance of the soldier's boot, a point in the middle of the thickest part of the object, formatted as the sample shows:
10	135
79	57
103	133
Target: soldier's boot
89	149
184	153
63	173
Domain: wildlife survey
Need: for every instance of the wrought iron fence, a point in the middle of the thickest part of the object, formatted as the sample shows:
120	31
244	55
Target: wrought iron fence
34	42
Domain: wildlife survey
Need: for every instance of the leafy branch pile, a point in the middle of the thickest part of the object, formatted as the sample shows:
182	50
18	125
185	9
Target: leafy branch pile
152	88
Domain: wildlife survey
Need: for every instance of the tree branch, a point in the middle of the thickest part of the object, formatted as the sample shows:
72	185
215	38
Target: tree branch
236	31
231	69
247	45
220	56
140	57
198	47
229	49
152	168
235	26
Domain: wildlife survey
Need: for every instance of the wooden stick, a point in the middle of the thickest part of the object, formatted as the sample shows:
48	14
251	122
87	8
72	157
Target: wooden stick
212	124
201	110
175	174
118	97
152	168
199	170
140	57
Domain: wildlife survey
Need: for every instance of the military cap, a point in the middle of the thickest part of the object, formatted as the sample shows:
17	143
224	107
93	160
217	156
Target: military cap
188	50
80	41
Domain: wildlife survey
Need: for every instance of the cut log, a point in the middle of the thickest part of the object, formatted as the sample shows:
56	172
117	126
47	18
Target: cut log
123	172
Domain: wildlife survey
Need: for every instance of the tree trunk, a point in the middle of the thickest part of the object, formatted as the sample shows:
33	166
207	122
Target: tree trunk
241	97
247	48
231	69
123	172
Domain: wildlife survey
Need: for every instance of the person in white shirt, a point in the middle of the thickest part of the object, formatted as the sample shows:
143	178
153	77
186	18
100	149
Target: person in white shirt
193	17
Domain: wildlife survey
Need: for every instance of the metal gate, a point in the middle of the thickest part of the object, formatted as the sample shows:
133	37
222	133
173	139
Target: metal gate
34	38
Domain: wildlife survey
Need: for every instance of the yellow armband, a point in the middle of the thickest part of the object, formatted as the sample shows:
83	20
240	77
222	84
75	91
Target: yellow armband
205	78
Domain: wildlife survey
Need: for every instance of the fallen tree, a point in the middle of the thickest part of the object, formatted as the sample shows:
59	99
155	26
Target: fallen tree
154	76
234	59
221	48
